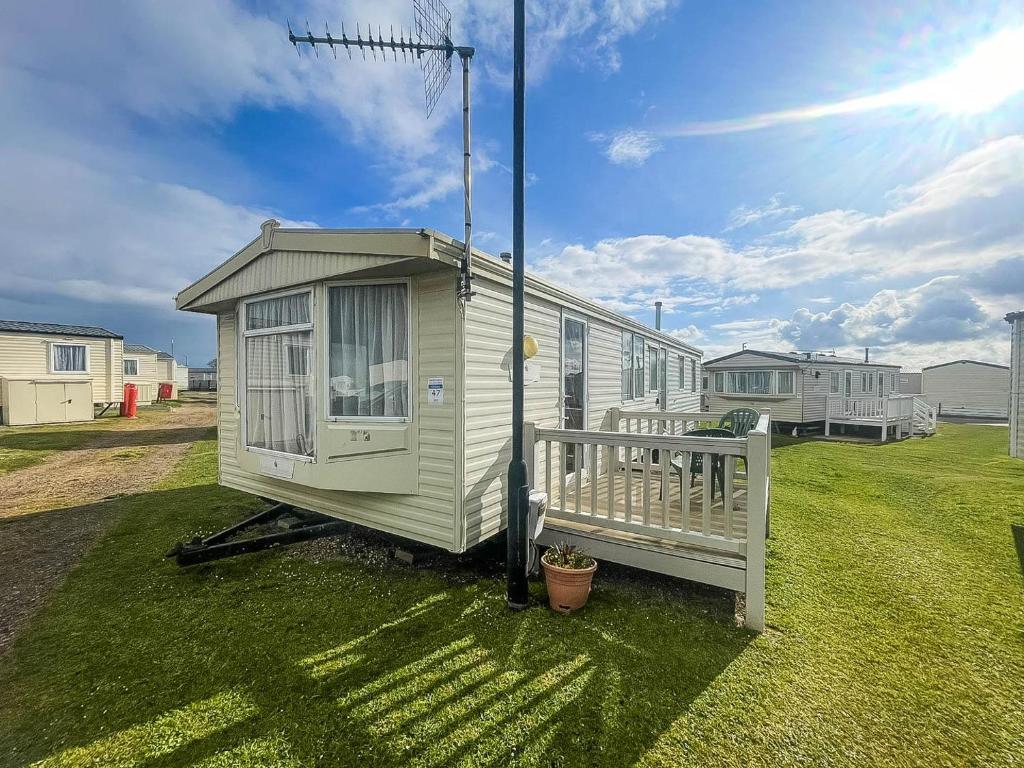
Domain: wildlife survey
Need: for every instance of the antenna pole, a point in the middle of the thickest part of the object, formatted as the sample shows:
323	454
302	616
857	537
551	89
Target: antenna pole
518	489
465	288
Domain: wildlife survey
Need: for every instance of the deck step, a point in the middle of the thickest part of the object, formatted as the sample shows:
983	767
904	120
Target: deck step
649	553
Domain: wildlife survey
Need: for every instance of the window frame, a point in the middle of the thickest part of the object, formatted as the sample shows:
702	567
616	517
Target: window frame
130	360
241	367
777	382
325	316
693	374
630	395
654	362
837	378
682	372
719	377
881	383
774	374
52	362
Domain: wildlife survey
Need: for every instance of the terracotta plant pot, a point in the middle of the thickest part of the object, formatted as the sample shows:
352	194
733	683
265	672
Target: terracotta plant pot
568	588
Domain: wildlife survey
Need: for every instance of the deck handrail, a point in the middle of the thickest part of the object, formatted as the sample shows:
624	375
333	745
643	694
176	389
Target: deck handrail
607	463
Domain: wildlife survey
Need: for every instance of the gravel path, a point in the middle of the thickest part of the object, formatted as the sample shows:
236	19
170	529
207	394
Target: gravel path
51	513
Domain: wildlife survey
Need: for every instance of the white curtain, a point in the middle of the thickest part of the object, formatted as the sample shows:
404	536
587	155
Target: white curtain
278	311
131	367
368	364
68	357
279	403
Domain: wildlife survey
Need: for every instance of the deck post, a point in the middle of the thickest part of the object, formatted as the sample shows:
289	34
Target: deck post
757	512
614	414
530	452
885	421
828	421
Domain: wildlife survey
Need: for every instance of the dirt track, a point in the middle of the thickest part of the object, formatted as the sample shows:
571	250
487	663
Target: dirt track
49	512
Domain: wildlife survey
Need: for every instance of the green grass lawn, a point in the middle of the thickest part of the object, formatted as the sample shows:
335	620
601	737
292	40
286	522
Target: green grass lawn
894	598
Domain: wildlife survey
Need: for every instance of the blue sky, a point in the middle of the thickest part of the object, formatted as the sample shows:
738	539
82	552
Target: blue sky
788	175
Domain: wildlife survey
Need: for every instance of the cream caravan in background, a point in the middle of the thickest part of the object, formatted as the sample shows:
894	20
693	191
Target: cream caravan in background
51	373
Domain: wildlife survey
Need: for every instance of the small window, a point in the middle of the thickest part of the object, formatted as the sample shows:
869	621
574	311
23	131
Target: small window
881	382
719	381
834	383
892	383
638	366
682	372
704	383
652	359
131	367
693	375
786	382
627	365
69	358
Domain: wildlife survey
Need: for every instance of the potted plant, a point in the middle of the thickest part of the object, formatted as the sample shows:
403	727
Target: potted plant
568	572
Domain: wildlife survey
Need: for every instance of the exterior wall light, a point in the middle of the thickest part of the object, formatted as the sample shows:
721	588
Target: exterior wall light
530	347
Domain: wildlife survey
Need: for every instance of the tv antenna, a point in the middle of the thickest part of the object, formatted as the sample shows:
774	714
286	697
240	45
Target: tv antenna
432	45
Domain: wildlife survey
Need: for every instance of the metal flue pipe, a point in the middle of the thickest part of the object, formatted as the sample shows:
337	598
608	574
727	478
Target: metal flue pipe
657	315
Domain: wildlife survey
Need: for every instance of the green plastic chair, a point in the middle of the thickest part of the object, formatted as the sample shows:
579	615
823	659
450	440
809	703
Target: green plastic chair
697	459
739	421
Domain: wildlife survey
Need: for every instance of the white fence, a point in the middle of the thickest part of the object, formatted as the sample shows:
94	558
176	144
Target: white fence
589	478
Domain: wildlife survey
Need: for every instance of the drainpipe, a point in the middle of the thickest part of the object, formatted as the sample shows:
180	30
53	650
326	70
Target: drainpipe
657	315
866	354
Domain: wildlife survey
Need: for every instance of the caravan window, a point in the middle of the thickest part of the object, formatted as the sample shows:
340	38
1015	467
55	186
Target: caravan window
652	378
368	355
719	381
279	413
131	367
786	382
693	376
69	358
638	366
750	382
682	372
627	365
834	383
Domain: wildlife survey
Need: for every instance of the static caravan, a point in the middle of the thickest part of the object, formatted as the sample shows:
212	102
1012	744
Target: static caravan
141	368
910	383
167	372
968	388
52	373
810	390
1016	410
202	379
354	382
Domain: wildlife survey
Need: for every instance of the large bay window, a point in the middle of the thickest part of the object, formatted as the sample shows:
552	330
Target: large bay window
279	411
757	383
368	351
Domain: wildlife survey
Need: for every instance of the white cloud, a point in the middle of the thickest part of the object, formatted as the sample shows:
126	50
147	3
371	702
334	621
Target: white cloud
989	76
631	147
966	216
774	209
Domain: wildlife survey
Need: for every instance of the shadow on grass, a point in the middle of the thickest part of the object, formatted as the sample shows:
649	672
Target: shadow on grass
65	440
344	661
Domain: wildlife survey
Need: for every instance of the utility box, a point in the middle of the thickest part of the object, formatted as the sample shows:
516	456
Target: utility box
45	401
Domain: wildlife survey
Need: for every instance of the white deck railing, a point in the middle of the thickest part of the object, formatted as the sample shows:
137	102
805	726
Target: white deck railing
604	492
900	411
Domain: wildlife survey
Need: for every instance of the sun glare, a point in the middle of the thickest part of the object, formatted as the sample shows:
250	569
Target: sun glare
984	79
